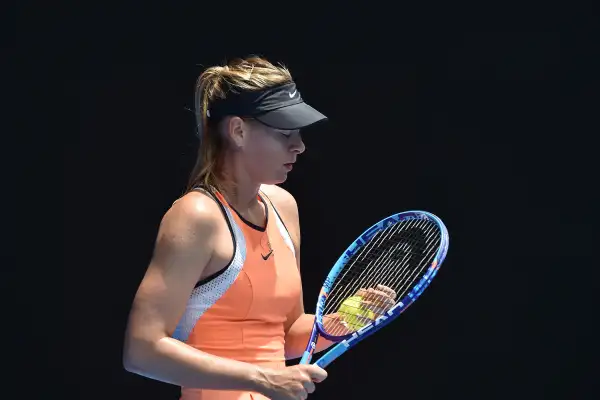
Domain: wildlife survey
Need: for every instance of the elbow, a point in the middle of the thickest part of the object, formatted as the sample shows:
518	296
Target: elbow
128	365
130	360
136	354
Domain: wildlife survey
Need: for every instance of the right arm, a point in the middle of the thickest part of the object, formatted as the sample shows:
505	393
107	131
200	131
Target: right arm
183	249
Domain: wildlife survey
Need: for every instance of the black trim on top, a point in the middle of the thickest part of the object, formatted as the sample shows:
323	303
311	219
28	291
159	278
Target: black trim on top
253	225
222	207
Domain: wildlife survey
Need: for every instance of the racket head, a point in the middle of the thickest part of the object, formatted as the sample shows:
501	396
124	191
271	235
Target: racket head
404	298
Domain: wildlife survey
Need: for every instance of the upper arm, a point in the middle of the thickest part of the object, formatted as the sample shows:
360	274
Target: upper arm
183	248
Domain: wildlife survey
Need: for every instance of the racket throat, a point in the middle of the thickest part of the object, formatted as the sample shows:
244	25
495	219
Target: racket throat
311	346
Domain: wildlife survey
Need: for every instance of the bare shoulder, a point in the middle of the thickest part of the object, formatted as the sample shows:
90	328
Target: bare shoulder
283	200
193	215
194	204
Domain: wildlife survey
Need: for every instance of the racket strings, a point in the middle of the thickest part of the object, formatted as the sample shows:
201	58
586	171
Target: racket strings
399	277
403	281
361	271
362	317
395	257
376	241
360	268
394	269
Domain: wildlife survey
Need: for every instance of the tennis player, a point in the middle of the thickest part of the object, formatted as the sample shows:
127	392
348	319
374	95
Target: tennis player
220	308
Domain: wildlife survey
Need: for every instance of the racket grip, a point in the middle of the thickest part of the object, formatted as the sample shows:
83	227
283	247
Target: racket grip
331	355
306	356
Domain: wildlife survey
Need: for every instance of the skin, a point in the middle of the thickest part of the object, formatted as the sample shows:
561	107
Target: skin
193	242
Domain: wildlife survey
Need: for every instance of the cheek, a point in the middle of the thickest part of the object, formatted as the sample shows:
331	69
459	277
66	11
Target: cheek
264	155
267	149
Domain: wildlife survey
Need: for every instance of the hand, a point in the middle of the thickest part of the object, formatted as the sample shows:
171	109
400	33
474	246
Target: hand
291	383
360	309
377	300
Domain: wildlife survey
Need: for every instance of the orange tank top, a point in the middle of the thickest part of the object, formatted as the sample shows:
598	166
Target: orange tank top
239	312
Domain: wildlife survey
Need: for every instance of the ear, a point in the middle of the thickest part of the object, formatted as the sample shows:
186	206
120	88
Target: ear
236	132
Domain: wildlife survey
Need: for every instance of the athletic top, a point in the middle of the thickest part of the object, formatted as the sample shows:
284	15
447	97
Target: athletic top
239	312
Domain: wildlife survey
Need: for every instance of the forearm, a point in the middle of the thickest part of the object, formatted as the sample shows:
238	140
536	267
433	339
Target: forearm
297	337
171	361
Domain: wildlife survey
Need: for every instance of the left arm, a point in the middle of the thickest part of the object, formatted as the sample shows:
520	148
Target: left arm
298	334
298	325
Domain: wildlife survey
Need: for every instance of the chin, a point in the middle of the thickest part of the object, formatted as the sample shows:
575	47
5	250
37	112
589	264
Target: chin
275	180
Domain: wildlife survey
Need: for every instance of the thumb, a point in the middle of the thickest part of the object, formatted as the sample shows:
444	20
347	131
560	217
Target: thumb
316	373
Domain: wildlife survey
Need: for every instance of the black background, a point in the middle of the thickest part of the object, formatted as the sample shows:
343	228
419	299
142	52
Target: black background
491	127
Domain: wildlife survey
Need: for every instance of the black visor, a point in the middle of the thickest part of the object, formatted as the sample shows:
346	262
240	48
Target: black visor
279	107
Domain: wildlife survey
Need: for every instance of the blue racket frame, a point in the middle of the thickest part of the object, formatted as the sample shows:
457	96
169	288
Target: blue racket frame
347	342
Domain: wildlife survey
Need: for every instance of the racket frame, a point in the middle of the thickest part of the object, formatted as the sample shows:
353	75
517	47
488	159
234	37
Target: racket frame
346	342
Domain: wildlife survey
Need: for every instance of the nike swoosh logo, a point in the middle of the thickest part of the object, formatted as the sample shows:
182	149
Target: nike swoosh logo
267	256
293	93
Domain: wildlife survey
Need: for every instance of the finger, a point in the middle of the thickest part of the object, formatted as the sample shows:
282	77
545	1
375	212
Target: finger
317	374
369	293
386	299
377	308
377	295
384	290
377	292
364	319
389	291
381	304
309	386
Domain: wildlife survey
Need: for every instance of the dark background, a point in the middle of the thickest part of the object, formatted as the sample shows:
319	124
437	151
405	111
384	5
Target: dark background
491	127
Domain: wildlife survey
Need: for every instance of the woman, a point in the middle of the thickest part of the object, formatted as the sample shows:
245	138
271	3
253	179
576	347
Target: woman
220	307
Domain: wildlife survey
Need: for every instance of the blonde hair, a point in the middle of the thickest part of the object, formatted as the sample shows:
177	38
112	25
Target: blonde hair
242	74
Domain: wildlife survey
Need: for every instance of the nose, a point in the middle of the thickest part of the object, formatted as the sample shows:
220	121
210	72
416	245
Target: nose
296	144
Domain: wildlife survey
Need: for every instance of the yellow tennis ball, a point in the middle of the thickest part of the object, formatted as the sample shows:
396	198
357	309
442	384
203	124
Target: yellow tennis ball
353	314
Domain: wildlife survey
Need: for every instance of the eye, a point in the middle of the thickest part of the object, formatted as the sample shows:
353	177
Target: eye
288	133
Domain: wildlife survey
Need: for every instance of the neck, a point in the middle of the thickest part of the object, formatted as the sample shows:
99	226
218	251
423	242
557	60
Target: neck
241	197
239	190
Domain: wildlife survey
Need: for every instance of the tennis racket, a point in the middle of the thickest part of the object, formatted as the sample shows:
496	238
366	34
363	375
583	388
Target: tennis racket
398	255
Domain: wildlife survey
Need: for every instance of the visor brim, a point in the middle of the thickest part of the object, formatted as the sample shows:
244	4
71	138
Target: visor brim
296	116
